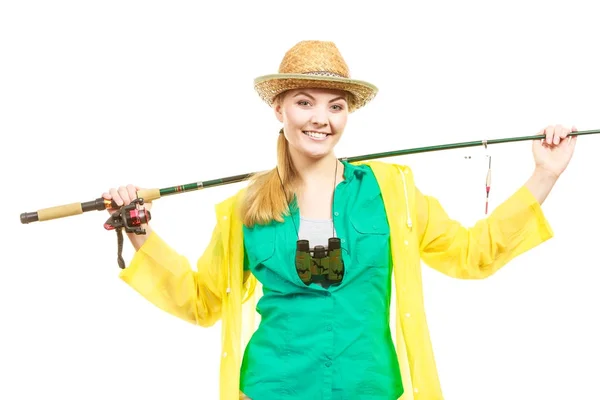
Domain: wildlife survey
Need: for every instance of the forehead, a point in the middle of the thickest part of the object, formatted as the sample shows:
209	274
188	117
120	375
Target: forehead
318	92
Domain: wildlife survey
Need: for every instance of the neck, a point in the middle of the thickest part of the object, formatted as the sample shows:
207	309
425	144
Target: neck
317	171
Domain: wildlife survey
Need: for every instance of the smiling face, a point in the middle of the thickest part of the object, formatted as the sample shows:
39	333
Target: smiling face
313	120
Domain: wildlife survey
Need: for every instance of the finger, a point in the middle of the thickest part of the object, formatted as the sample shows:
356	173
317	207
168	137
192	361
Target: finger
549	131
542	141
115	197
557	131
573	141
124	195
106	195
564	131
559	134
131	189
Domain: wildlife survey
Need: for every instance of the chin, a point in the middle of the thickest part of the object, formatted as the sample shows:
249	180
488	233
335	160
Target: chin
316	154
316	149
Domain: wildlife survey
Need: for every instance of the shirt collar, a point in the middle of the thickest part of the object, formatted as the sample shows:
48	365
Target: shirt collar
351	171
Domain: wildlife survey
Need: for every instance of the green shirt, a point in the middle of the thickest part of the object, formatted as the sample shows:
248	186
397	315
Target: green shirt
325	343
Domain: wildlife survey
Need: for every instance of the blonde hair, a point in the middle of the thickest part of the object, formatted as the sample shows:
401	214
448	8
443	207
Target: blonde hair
269	193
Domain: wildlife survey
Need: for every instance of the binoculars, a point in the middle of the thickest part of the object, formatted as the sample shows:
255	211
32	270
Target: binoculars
324	266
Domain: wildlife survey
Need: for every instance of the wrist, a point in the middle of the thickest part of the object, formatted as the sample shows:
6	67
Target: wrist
138	240
541	183
545	174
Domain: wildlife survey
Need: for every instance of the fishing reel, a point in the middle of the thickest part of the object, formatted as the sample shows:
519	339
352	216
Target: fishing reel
130	217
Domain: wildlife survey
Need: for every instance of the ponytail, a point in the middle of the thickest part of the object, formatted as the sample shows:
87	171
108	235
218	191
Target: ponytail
267	196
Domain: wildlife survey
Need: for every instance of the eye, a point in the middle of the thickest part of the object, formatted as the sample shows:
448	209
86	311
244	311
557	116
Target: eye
338	107
303	103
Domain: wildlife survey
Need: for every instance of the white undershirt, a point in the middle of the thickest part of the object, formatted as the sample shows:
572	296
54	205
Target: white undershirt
316	231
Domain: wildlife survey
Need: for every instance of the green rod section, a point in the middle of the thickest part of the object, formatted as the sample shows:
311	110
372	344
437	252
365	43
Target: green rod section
457	146
239	178
205	184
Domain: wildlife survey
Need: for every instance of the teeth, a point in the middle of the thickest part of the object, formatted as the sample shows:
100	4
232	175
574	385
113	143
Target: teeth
315	134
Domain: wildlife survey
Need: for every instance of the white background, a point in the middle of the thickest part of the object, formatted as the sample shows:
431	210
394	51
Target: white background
101	94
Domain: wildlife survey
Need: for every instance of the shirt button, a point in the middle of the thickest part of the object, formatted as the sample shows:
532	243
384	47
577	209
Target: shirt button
225	217
406	242
328	364
343	240
329	327
407	315
336	213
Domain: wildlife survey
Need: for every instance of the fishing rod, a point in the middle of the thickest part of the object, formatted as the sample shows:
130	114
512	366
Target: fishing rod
136	215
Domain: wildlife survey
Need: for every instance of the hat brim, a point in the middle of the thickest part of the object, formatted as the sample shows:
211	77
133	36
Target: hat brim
269	86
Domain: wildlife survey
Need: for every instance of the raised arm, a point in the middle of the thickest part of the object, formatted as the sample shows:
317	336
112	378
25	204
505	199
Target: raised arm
476	252
514	227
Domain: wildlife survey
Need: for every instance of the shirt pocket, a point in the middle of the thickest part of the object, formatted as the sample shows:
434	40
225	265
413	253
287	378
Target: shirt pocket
260	246
371	234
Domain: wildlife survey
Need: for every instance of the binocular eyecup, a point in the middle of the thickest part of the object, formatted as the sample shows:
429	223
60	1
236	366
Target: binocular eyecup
332	244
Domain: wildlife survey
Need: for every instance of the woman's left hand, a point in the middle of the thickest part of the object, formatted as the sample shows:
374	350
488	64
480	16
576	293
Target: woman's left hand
553	153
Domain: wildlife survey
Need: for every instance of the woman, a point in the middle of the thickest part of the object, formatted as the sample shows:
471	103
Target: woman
325	329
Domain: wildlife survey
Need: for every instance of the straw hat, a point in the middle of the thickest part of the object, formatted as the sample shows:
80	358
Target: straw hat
315	64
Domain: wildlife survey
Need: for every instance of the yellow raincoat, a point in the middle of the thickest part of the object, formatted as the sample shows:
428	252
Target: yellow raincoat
419	230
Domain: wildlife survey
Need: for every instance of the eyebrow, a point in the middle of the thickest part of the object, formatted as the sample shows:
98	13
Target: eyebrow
308	95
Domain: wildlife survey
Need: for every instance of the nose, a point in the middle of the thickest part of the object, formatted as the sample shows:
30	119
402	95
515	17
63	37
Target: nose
319	117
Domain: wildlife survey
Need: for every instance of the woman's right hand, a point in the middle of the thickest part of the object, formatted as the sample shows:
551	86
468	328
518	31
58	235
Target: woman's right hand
123	195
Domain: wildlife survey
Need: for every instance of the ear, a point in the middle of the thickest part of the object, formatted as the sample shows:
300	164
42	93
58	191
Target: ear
277	110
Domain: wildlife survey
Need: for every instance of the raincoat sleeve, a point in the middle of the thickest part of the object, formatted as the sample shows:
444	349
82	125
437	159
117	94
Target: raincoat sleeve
166	279
514	227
